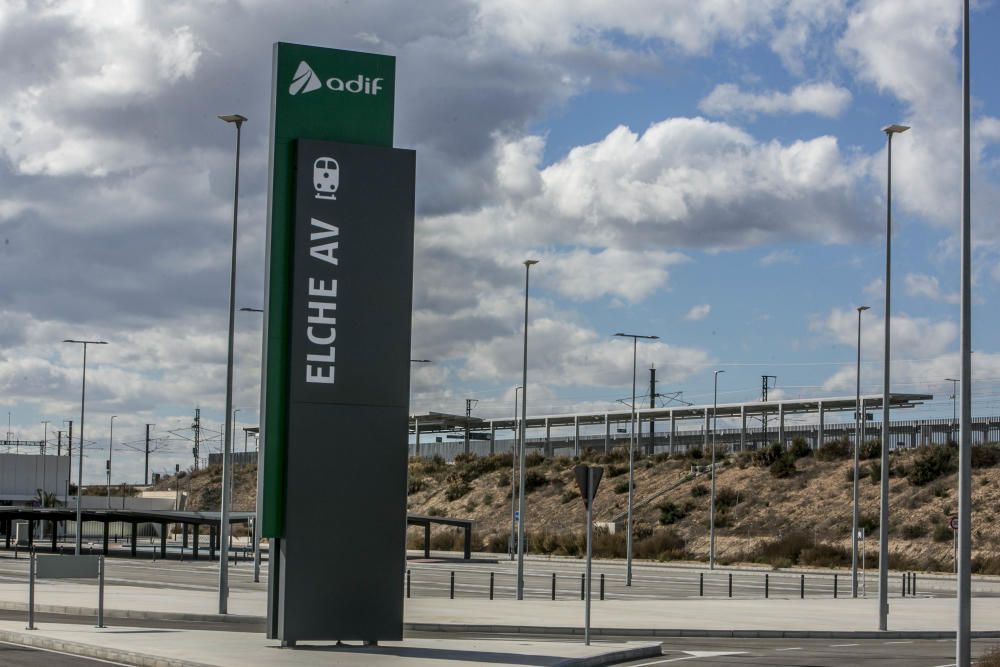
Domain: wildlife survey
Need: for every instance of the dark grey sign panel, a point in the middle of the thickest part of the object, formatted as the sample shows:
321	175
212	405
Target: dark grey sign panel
343	551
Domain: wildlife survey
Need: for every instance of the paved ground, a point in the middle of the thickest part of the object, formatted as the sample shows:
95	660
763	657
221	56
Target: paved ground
809	653
14	655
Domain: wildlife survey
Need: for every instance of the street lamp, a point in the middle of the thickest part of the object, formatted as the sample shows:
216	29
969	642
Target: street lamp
954	405
528	263
227	472
111	439
859	417
711	513
83	403
631	460
883	529
513	476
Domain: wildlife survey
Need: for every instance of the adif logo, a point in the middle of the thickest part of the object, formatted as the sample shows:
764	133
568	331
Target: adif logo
306	81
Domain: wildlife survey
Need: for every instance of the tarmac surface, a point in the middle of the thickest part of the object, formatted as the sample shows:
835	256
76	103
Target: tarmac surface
14	655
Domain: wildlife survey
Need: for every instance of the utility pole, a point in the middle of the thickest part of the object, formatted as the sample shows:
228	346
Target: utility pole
197	435
147	453
59	444
69	453
765	383
469	404
652	404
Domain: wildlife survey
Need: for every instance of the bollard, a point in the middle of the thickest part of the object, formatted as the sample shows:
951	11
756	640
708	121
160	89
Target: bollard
583	586
730	584
834	587
802	587
914	591
491	585
903	587
553	585
407	583
766	585
31	592
602	585
100	591
452	584
701	584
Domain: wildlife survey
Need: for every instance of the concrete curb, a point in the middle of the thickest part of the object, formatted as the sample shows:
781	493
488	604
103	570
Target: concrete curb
613	657
689	632
91	651
138	615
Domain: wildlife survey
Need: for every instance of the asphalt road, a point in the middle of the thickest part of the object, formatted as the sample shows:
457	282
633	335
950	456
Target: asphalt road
14	655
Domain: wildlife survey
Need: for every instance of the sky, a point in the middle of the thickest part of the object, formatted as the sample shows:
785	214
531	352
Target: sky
709	172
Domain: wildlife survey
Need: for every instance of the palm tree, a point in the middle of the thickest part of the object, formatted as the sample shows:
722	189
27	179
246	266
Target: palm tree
45	499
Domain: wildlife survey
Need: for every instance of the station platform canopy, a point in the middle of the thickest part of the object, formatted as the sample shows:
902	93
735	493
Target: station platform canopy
440	422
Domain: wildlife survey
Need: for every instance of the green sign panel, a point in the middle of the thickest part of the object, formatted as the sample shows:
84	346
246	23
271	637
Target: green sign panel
317	93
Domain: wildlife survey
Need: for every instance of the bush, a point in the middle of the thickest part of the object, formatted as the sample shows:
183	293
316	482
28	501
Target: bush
569	496
849	473
622	486
660	545
875	472
932	463
989	659
766	457
670	513
942	533
913	531
869	522
695	453
415	485
785	550
783	467
434	510
699	490
726	498
488	499
534	479
470	467
983	456
871	449
800	448
615	471
834	450
533	459
456	490
824	555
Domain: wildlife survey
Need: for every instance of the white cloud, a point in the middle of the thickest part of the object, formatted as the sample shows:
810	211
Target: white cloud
824	99
779	257
698	312
583	275
928	287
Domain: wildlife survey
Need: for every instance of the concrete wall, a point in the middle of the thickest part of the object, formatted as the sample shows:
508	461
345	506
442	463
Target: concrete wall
22	474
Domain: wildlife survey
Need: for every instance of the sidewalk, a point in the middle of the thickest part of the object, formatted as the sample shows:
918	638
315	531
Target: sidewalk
198	648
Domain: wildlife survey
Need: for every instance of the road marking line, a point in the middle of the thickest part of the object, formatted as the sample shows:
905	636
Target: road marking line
841	645
909	642
796	648
692	655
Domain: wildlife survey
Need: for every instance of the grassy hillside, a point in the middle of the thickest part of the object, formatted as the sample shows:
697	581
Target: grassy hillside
783	508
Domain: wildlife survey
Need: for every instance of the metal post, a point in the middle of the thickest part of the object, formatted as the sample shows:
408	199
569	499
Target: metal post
802	587
524	420
767	586
859	416
31	592
513	482
408	582
111	441
701	584
100	591
730	584
491	585
602	585
631	473
743	428
583	585
591	482
834	586
711	512
883	531
553	585
227	471
452	589
963	645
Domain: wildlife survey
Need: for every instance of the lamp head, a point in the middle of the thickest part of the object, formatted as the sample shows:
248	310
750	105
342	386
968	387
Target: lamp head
530	262
895	129
863	308
234	118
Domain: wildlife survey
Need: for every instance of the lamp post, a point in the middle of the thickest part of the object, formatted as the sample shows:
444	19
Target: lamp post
711	514
883	530
227	471
111	439
858	438
256	520
45	443
528	263
954	406
83	404
513	476
963	644
631	459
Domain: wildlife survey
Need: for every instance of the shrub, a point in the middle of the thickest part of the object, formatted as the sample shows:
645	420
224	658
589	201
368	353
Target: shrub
990	658
456	490
939	490
615	471
434	510
785	550
695	453
875	472
767	456
488	499
569	496
983	456
942	533
534	479
533	459
415	485
869	522
800	448
660	545
849	473
670	513
932	463
726	498
872	449
825	555
470	467
503	480
913	531
834	450
622	486
699	490
783	467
